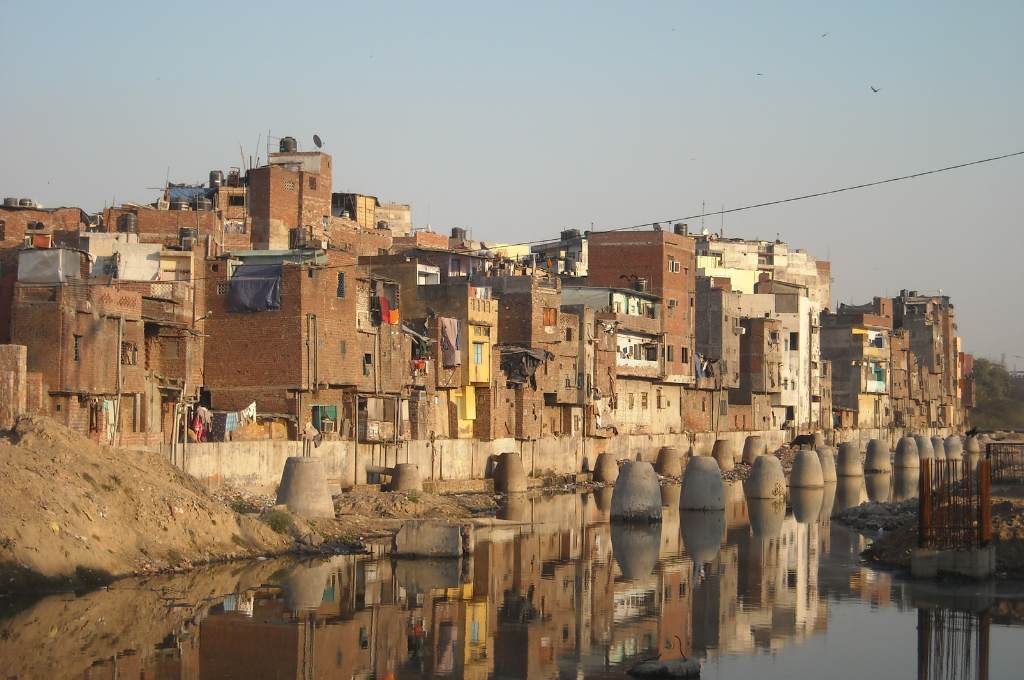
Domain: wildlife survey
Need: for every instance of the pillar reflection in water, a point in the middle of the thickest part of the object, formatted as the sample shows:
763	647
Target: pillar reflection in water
952	644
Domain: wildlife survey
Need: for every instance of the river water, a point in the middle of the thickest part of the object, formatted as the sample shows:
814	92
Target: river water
761	590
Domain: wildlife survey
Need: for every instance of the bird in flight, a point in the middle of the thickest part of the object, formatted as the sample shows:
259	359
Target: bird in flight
825	34
875	89
758	74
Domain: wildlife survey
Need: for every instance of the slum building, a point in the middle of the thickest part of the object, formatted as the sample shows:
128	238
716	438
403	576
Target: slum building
86	342
857	340
661	263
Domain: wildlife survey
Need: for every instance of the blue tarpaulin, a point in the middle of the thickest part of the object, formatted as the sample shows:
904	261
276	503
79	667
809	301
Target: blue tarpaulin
189	193
255	288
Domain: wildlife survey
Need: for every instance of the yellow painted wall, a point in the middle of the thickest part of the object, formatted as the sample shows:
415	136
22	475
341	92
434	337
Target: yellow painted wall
742	280
479	373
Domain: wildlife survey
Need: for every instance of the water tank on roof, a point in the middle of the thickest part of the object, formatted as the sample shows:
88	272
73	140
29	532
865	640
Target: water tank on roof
128	223
216	178
186	232
179	203
459	233
681	228
204	204
10	202
640	285
289	145
26	203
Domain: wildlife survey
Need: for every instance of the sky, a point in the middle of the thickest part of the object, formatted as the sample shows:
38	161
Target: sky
516	120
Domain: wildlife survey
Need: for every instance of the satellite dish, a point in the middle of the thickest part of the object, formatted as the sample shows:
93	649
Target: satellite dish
705	231
316	140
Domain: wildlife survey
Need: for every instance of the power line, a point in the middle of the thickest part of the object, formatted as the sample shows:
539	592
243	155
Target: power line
765	204
787	200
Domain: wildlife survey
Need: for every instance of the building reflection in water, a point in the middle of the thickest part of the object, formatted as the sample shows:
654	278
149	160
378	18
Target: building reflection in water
565	594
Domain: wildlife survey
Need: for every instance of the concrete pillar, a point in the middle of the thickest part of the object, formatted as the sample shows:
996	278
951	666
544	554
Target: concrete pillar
904	483
879	458
879	486
766	517
807	471
753	447
303	488
702	485
819	439
849	493
766	479
828	501
406	477
954	448
848	463
606	469
939	447
906	454
827	457
972	445
670	495
806	503
509	474
635	547
924	446
702	534
637	495
670	462
724	453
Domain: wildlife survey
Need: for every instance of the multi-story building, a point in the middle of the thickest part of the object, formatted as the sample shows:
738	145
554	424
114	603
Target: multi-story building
744	262
659	262
292	191
567	256
857	340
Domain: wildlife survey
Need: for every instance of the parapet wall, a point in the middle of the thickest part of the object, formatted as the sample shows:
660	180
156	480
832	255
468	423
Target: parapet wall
257	465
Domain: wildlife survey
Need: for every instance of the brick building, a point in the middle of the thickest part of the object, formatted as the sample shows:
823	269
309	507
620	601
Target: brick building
857	340
293	191
663	262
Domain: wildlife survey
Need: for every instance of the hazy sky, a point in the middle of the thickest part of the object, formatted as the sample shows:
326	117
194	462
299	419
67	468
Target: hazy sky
518	119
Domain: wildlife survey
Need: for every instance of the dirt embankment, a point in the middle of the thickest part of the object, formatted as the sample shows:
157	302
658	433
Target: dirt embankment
75	513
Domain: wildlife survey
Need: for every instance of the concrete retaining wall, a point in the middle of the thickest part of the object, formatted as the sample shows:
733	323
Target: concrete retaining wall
258	465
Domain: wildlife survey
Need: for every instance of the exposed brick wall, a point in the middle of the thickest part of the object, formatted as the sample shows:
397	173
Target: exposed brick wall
61	223
163	226
281	199
648	255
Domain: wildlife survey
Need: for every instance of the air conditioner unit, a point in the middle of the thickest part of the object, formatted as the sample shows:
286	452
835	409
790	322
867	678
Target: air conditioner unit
739	330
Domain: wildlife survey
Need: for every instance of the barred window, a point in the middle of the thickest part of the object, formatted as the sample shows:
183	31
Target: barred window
129	354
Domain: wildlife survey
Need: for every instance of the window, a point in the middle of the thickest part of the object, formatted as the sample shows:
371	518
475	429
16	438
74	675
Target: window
312	183
223	287
78	348
673	265
129	354
794	341
236	201
643	400
326	223
672	303
550	316
34	224
660	400
367	363
631	401
670	353
342	348
478	353
289	185
341	285
651	352
568	334
684	355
